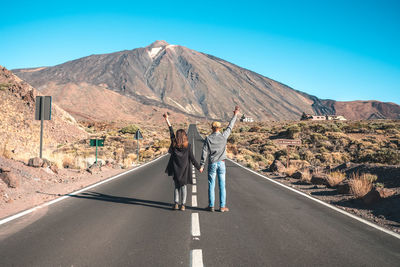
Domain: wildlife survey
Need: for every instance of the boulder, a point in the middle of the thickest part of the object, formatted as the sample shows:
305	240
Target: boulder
385	192
297	175
377	194
343	187
319	179
277	166
46	163
54	168
94	168
5	169
372	197
10	179
35	162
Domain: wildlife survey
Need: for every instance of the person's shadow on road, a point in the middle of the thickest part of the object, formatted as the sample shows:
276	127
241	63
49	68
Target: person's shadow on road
127	200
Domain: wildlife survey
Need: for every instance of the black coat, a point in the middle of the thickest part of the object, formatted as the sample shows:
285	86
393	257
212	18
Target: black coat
179	163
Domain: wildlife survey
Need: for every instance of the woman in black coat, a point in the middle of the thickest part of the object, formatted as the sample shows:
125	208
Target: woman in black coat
179	164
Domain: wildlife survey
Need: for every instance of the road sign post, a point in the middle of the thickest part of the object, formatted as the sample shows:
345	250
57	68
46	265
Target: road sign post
288	143
138	136
42	112
96	143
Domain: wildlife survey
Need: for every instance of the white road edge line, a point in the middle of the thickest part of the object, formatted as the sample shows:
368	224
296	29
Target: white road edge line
195	224
194	189
23	213
194	201
194	181
324	203
196	258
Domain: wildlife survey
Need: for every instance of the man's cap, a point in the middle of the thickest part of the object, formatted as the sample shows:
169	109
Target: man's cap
216	124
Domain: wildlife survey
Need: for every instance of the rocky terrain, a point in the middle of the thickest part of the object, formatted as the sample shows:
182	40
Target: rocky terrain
23	187
363	110
19	132
127	85
352	165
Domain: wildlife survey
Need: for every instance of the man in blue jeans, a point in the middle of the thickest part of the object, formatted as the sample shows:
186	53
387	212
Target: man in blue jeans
214	149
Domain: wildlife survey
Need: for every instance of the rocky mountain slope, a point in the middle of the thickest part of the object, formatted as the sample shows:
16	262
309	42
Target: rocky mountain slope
176	78
19	132
364	110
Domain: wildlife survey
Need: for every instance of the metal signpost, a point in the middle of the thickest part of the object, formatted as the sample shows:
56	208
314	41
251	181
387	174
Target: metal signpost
96	143
288	143
42	112
138	136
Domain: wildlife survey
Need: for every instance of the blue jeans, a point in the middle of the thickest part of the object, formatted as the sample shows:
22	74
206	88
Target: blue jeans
214	169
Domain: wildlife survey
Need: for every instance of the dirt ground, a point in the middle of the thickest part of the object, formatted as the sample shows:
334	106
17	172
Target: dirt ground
38	185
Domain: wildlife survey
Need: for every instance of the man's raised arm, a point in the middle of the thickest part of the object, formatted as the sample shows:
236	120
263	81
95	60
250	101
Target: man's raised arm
228	130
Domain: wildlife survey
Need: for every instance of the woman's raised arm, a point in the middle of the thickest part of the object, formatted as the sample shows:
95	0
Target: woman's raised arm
166	117
171	130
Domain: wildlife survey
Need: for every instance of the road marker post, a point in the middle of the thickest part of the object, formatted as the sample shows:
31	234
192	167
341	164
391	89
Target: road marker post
42	112
138	136
96	143
288	143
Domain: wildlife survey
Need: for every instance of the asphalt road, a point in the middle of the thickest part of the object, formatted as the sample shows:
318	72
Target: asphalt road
128	222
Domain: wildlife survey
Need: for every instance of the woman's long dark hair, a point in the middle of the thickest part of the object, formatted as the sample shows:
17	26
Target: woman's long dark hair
181	139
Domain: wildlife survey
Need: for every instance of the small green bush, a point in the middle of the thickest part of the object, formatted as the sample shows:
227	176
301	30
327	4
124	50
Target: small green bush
292	131
130	129
244	129
255	129
4	86
233	138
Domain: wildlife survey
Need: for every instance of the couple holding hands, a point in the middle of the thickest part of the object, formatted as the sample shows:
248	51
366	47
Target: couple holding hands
214	149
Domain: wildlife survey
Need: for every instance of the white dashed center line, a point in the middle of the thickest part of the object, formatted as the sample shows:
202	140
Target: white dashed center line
196	258
196	255
195	224
194	201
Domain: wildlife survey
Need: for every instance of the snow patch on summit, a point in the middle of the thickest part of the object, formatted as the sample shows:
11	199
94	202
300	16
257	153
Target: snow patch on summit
154	51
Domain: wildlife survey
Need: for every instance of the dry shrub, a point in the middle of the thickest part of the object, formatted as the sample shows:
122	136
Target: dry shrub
360	185
6	153
306	176
163	150
149	153
290	170
335	178
230	155
56	158
240	158
128	162
370	177
81	163
232	149
132	157
68	162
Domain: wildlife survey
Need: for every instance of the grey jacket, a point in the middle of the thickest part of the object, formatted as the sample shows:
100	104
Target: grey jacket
214	147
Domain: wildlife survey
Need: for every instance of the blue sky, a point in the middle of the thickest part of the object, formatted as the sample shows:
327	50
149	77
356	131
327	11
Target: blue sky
342	50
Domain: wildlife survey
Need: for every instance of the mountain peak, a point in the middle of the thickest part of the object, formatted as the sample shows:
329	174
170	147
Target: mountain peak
158	43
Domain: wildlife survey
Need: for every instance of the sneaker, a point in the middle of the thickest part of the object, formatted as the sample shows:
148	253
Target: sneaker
175	207
224	209
211	209
182	207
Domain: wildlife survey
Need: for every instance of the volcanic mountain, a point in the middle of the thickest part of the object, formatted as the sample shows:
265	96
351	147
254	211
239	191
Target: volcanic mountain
128	84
